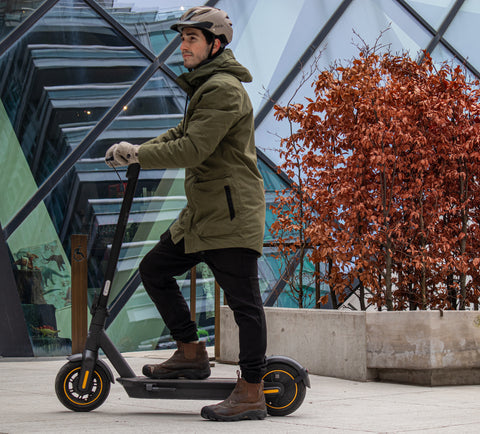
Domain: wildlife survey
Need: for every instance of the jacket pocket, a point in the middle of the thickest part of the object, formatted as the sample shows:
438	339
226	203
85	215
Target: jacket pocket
215	207
228	194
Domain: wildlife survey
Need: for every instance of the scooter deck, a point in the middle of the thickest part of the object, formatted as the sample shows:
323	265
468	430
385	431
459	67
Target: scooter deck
210	388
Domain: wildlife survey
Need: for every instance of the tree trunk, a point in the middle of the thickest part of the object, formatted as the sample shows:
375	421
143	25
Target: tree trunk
463	241
388	275
301	294
361	295
451	292
423	244
412	302
333	295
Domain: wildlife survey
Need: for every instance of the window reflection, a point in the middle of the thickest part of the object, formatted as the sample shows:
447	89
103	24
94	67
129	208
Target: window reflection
42	273
57	81
89	197
63	76
60	79
14	12
150	20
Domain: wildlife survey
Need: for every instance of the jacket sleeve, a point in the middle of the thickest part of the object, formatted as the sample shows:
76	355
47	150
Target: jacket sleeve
171	134
218	107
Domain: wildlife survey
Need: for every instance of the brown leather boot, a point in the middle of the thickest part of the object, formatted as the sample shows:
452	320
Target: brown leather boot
247	401
189	361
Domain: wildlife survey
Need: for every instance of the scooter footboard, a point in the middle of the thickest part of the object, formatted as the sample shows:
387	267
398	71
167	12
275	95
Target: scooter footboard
211	388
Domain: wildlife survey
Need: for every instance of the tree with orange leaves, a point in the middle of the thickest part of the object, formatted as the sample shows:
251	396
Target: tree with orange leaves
292	212
390	159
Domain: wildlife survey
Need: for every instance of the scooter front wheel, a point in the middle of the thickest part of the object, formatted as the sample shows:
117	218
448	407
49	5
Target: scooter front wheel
68	389
283	392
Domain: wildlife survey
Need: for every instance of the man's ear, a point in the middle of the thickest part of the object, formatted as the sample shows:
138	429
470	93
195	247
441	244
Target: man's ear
216	45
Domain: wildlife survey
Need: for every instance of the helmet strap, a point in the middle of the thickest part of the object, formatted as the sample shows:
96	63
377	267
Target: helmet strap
210	55
219	51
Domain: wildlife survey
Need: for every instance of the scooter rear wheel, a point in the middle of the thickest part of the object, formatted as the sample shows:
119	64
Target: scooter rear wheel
292	393
67	387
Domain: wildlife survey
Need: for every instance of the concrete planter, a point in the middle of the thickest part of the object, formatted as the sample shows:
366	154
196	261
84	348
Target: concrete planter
418	347
425	347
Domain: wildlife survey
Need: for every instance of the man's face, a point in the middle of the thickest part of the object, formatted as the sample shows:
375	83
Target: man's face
194	47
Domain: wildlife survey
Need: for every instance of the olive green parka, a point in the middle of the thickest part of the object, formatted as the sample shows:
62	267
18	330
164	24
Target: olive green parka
215	144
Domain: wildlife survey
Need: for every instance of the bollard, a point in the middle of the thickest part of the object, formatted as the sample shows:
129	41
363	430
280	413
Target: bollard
79	292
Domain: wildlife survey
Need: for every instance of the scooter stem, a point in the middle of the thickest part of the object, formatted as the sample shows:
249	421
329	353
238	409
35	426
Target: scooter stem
96	337
132	176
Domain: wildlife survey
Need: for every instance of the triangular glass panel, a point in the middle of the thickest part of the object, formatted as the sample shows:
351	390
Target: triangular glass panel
434	12
13	13
61	76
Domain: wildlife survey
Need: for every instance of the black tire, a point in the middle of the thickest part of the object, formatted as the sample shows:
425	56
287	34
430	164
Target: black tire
293	393
66	387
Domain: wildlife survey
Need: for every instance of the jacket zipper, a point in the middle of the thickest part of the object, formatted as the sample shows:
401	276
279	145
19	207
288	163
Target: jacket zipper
228	194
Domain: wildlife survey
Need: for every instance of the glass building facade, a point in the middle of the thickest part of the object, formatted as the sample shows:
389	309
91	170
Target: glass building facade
80	75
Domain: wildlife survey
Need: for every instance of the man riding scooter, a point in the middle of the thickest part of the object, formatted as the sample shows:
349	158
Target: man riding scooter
223	222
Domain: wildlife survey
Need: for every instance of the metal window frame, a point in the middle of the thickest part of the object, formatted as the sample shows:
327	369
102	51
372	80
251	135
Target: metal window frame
120	29
122	298
116	25
290	77
158	63
22	345
55	177
417	16
304	58
12	38
444	26
438	36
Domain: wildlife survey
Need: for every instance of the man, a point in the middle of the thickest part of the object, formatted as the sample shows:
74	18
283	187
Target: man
223	222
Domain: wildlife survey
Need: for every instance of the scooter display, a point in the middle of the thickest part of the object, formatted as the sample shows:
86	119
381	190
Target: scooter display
83	383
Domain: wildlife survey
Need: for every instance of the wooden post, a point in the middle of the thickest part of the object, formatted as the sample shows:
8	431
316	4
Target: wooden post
193	293
217	320
79	292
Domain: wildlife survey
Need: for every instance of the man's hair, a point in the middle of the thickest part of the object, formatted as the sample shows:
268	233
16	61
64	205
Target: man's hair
209	36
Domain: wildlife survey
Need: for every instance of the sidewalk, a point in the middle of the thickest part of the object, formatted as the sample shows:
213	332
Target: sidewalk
28	404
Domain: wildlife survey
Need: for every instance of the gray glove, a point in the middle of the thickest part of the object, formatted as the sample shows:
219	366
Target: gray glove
121	154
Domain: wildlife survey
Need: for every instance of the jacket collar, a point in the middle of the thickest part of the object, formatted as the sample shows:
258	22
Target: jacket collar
225	62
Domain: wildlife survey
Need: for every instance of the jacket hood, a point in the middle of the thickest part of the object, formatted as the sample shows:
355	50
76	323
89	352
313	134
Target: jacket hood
225	63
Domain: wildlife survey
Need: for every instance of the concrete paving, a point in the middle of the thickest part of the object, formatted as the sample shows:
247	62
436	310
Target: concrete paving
28	404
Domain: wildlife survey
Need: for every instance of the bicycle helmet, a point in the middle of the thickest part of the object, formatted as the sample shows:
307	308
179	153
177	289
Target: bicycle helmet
207	18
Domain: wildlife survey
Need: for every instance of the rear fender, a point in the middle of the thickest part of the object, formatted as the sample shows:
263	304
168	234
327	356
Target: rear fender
303	372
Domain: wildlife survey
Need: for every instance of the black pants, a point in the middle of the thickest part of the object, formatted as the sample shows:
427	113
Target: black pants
235	270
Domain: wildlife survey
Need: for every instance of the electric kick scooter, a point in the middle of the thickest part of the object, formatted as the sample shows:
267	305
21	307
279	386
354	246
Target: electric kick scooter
83	383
